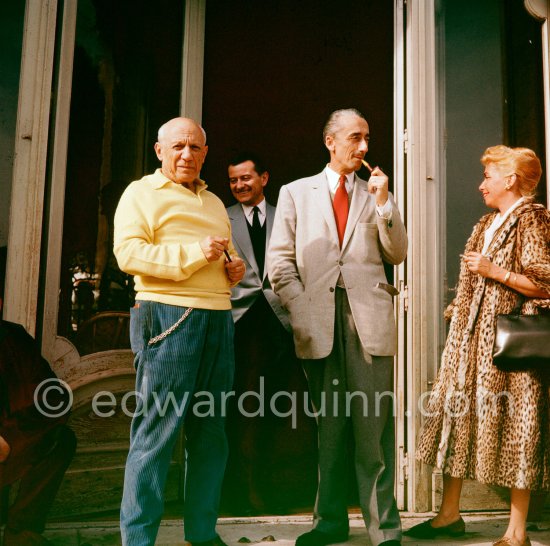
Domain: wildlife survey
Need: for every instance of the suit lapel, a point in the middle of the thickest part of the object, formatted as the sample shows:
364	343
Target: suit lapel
358	202
321	194
241	236
269	217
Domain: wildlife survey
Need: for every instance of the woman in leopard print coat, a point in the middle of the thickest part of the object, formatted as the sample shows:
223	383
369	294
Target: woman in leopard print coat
482	423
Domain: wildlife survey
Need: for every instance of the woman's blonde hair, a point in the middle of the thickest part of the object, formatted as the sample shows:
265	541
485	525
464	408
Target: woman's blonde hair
522	162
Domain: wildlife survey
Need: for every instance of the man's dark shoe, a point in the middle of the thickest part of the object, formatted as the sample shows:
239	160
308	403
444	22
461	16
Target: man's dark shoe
390	543
216	541
318	538
24	538
425	530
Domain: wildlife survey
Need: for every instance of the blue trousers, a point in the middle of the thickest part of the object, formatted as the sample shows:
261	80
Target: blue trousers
180	379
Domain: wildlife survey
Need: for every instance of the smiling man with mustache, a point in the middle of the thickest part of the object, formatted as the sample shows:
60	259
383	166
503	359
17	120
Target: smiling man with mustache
264	350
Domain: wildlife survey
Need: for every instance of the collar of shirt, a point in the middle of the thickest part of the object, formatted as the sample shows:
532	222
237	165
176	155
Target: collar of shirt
160	180
501	218
498	220
333	180
249	212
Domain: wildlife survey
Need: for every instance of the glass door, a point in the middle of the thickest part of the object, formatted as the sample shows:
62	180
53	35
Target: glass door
116	79
490	64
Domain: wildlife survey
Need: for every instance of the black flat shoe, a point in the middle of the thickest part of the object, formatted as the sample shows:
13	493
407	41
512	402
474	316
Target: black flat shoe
426	531
318	538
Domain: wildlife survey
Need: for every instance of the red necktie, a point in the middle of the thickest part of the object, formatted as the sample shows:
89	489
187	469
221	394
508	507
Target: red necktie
341	207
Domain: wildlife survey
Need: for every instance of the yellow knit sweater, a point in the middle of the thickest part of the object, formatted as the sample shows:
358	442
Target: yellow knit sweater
158	229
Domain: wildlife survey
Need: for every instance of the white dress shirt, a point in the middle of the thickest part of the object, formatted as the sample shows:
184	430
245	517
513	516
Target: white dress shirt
496	223
334	180
249	212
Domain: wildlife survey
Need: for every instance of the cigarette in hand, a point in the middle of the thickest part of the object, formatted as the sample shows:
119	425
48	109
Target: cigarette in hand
367	165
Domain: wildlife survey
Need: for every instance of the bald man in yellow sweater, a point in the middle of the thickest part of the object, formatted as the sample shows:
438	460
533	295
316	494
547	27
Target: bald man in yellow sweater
173	235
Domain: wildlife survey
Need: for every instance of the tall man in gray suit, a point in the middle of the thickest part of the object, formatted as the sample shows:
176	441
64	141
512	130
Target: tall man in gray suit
331	234
265	361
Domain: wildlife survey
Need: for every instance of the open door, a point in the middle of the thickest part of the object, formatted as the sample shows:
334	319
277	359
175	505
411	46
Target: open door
492	64
477	75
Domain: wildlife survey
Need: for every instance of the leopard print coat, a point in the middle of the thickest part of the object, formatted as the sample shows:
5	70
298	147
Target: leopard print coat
482	423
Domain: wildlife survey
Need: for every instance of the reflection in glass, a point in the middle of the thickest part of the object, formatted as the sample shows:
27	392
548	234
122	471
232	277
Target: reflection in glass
126	83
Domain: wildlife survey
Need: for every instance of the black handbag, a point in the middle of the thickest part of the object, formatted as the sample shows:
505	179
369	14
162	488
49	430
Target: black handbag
522	342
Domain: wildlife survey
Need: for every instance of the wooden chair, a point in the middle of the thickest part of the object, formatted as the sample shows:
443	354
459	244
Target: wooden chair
103	331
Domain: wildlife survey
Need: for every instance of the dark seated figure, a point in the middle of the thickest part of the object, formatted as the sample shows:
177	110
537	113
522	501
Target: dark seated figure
35	449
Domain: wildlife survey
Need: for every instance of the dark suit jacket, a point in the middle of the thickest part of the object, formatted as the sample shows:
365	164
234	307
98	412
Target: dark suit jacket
252	285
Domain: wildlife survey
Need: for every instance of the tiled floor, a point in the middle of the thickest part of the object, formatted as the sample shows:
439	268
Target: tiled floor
482	530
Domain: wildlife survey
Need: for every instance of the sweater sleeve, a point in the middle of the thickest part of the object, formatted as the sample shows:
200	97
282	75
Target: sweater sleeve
138	254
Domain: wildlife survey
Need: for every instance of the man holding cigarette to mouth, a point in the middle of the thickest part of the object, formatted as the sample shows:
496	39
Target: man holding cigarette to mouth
330	237
172	234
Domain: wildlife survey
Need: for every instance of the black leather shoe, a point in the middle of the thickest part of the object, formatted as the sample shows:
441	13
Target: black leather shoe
318	538
216	541
390	543
425	530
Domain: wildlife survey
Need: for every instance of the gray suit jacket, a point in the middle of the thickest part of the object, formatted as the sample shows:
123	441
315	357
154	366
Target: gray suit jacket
304	262
247	291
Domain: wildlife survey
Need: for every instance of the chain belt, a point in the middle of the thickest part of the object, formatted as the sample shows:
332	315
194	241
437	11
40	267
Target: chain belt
168	331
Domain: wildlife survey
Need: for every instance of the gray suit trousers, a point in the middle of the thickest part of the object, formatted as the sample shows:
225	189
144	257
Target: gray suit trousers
353	396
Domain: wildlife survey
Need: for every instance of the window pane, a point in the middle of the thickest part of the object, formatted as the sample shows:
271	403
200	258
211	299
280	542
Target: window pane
126	83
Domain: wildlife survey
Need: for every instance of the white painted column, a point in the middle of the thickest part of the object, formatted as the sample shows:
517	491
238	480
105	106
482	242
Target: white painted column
29	168
59	145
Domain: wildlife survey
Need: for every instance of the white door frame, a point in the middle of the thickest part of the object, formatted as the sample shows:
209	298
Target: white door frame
424	265
54	346
400	277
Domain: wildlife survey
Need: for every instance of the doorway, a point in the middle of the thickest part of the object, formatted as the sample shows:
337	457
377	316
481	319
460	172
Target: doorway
273	72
